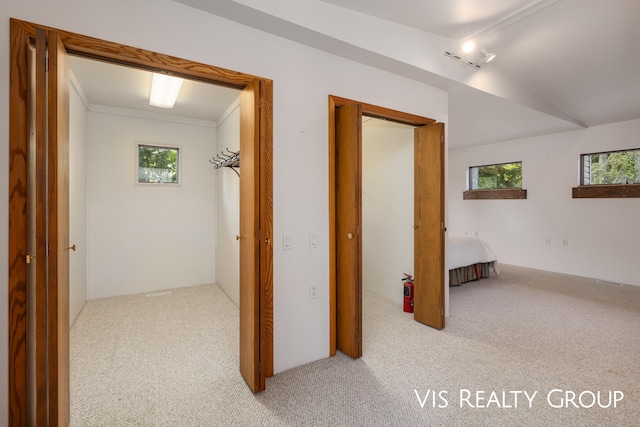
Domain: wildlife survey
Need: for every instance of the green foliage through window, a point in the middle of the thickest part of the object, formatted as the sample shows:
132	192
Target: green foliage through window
614	167
157	164
495	177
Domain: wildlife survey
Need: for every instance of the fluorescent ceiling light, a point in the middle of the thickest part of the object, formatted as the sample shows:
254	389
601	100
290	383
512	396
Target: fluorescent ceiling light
164	90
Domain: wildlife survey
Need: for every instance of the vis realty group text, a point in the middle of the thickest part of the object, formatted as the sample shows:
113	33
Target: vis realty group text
513	399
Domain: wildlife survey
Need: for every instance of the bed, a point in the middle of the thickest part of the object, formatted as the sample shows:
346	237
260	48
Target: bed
469	258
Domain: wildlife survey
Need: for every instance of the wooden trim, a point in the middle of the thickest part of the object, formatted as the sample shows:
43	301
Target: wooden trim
332	227
383	113
609	191
504	193
17	281
20	32
41	179
336	102
102	50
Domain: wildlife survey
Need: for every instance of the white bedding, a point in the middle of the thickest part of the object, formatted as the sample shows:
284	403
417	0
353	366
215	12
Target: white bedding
464	250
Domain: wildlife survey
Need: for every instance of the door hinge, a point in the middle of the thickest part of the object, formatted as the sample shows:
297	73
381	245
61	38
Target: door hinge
441	138
46	249
259	367
442	312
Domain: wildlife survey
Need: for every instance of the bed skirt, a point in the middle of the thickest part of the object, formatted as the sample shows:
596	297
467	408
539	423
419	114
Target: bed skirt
469	273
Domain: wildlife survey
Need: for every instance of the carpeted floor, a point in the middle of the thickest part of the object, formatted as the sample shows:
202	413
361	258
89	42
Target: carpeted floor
523	348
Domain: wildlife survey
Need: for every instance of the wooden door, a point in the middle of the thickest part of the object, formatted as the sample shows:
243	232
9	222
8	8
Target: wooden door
249	245
52	242
38	368
58	195
47	343
37	380
429	228
348	158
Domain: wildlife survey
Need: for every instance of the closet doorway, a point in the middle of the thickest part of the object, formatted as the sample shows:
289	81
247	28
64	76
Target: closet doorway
345	219
39	318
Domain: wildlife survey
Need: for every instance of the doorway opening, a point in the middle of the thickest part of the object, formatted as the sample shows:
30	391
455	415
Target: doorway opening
135	241
145	238
387	207
41	395
345	228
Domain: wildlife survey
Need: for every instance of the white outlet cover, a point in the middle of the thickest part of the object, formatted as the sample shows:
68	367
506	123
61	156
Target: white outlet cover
313	241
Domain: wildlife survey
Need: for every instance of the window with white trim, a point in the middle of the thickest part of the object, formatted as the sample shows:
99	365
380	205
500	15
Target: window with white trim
158	164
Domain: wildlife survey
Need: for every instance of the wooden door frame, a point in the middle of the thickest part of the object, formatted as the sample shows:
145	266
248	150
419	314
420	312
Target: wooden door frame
368	110
116	53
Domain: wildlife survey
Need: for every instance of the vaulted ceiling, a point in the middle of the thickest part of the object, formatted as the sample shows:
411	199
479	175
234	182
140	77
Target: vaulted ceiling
560	65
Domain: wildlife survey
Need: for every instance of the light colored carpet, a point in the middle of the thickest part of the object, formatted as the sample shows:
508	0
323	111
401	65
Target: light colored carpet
173	361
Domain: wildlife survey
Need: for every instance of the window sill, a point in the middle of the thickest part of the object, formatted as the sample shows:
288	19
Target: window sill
505	193
606	191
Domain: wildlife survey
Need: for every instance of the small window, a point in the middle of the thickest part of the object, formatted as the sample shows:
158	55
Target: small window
496	177
612	167
609	174
499	181
158	164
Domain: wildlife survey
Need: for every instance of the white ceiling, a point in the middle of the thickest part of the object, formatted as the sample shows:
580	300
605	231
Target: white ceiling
118	86
455	19
561	64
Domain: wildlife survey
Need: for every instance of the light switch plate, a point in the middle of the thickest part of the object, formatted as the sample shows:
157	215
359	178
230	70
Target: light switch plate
287	242
313	241
313	291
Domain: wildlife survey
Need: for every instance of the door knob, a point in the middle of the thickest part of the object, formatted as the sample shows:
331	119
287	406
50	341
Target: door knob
237	237
349	236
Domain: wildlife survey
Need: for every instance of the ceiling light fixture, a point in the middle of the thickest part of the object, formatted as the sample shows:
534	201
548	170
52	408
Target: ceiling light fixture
468	46
164	90
487	56
468	55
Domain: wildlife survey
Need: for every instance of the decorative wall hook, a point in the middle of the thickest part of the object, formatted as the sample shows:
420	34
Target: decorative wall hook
230	160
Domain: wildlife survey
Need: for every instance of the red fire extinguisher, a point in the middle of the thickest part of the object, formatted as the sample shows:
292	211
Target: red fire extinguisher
408	293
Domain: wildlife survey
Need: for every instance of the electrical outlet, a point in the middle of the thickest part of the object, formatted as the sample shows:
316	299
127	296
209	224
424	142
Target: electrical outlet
547	241
565	242
313	291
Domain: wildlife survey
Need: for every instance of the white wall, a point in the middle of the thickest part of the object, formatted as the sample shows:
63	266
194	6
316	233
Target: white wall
228	208
144	238
603	234
78	123
387	207
303	79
